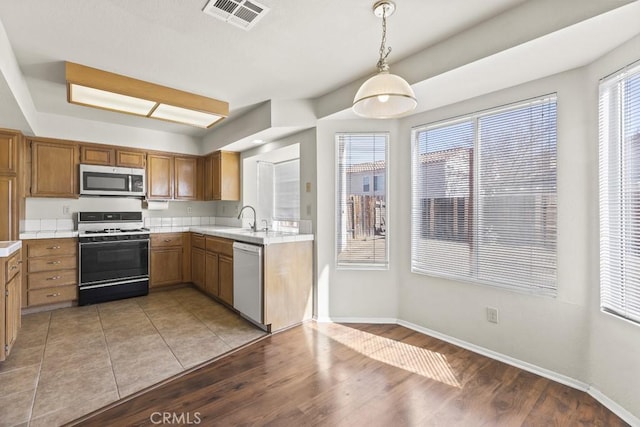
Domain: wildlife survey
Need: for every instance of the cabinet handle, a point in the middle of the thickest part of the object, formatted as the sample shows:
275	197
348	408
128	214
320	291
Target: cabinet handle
167	240
54	278
57	294
54	247
54	262
13	267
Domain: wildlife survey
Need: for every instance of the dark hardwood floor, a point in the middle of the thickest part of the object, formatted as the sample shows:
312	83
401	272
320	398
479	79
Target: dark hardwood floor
357	375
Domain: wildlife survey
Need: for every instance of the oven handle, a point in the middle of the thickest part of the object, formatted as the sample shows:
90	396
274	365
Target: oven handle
113	241
104	285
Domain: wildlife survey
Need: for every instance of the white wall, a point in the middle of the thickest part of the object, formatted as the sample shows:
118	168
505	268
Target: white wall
566	335
614	352
356	293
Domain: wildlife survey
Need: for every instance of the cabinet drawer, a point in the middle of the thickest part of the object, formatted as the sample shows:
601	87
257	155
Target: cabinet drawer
164	240
53	295
13	266
197	241
52	247
220	245
47	279
52	263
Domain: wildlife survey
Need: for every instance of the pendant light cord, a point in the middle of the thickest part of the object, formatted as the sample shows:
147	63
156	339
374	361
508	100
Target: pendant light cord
382	62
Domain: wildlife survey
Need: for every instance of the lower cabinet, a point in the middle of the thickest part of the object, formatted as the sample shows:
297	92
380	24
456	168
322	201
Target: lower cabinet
11	283
52	271
167	259
212	266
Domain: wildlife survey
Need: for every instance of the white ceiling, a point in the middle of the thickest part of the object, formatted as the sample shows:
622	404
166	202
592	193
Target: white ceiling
299	50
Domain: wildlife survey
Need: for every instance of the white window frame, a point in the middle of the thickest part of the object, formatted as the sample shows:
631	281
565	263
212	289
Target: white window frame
475	117
362	265
619	260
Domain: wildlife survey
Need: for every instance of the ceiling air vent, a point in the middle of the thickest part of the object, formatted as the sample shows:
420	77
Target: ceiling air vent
241	13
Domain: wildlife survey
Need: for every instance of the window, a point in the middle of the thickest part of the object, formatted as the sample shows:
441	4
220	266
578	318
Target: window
484	197
361	217
279	190
365	184
620	193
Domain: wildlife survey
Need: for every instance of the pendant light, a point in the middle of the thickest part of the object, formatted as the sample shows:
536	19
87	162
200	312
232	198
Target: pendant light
384	95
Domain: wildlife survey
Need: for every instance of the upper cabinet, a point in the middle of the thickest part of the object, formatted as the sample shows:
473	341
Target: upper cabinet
222	176
110	156
159	176
54	168
9	142
186	178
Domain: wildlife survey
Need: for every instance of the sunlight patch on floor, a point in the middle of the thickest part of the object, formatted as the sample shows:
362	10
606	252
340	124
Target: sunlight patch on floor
418	360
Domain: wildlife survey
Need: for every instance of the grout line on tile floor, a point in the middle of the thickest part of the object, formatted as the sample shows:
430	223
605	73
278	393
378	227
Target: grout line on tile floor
106	344
161	336
35	393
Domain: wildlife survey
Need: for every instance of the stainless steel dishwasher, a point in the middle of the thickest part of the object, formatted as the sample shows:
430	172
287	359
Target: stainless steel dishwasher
247	280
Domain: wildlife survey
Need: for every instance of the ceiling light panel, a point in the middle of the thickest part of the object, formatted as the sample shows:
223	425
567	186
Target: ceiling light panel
108	100
182	115
101	89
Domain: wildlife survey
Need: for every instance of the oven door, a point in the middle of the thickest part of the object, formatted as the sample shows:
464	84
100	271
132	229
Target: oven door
102	262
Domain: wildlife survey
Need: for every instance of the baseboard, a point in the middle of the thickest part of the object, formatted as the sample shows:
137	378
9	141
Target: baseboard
614	407
610	404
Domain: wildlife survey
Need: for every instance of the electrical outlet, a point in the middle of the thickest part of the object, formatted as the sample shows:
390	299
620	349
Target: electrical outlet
189	210
492	314
65	210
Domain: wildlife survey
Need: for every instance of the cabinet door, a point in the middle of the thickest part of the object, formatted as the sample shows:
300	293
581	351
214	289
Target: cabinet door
207	187
130	159
186	178
225	277
92	155
160	177
9	212
166	266
9	152
54	169
12	311
216	167
198	267
211	284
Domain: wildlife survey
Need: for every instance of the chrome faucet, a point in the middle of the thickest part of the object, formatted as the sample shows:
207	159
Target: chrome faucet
253	226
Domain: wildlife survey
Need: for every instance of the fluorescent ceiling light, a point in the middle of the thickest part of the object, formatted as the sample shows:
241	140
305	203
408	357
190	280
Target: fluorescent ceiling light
109	100
101	89
182	115
257	141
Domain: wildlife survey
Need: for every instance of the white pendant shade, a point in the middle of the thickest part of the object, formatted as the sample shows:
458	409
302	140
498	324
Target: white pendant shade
384	96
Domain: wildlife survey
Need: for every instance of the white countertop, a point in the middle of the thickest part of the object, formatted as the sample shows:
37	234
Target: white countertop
9	247
233	233
247	235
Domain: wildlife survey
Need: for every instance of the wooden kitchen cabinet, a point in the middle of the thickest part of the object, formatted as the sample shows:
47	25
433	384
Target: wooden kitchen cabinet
159	177
10	178
225	278
170	262
97	155
222	176
54	168
212	266
51	273
10	285
186	178
131	159
105	155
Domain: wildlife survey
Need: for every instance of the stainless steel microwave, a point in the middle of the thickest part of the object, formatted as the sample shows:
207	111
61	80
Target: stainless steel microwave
112	181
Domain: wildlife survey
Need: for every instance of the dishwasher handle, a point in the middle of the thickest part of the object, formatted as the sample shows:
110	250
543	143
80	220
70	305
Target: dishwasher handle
246	247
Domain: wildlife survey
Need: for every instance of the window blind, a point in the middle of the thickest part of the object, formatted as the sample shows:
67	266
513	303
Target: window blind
286	192
484	197
619	135
361	205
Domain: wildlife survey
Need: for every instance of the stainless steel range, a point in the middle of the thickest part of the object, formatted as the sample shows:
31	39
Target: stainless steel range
113	256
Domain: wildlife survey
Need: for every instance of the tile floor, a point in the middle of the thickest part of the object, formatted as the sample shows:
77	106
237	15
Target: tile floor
71	361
